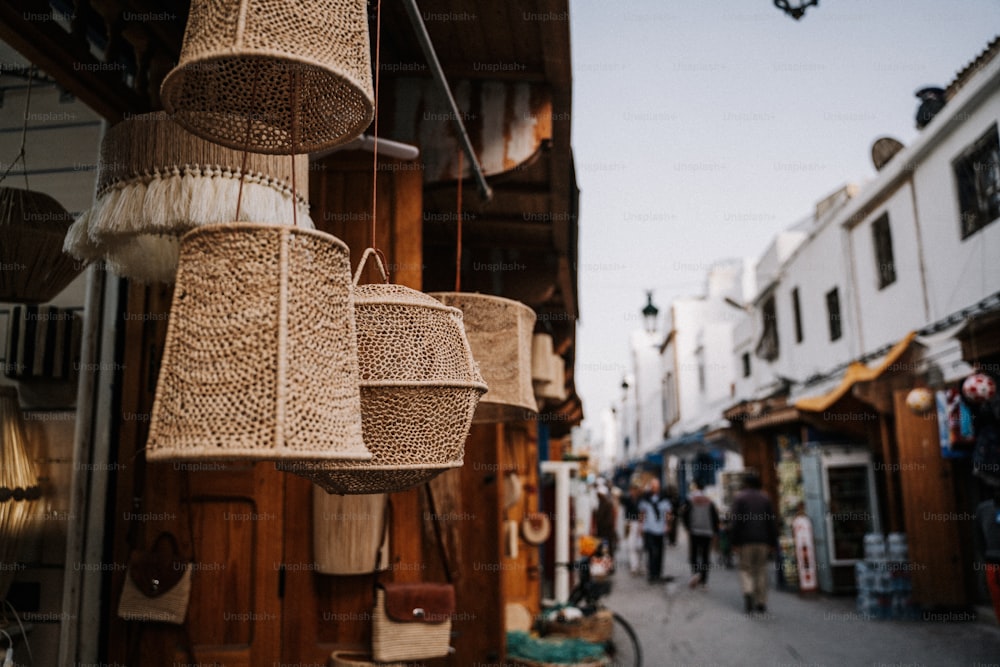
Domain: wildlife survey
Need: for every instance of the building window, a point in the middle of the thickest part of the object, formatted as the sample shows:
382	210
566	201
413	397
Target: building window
797	314
746	364
884	262
669	405
977	174
767	346
833	313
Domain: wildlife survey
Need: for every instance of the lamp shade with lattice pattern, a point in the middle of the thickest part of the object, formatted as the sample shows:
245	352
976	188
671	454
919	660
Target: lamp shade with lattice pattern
499	332
19	489
419	389
33	267
156	181
260	360
274	76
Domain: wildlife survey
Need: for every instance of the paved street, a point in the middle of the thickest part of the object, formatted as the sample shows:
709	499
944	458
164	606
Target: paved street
680	627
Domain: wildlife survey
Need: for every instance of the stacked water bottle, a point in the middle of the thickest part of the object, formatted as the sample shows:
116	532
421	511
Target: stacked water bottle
884	582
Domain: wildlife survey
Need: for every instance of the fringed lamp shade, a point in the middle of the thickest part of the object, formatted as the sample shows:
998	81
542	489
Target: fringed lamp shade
274	76
156	181
260	360
419	389
19	490
33	266
499	332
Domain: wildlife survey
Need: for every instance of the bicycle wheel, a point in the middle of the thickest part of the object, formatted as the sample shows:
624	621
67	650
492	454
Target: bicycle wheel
623	648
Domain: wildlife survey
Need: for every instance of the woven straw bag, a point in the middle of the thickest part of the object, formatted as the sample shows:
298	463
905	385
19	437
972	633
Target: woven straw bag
350	533
274	76
156	181
260	359
499	332
33	269
419	389
357	659
412	621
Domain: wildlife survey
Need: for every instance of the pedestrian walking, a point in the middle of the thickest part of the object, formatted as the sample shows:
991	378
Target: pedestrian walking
754	537
604	517
987	538
654	512
701	521
633	528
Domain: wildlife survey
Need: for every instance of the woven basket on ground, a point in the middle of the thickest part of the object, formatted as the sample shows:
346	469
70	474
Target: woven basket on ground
156	181
419	389
499	332
597	627
33	267
274	76
260	360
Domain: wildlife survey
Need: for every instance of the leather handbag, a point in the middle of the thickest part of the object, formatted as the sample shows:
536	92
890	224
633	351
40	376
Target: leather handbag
157	584
412	621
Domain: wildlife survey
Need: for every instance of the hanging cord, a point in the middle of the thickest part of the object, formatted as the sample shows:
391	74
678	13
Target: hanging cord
27	644
378	67
24	135
458	242
295	143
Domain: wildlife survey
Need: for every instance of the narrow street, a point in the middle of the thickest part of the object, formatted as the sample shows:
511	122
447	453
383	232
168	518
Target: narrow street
681	627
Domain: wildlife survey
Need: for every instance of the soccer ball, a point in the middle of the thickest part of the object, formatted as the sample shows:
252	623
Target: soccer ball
920	400
979	388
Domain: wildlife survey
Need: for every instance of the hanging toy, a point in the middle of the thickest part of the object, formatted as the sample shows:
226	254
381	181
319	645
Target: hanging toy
979	388
920	400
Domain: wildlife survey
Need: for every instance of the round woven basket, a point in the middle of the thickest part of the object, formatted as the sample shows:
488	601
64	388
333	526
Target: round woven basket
156	181
358	659
33	268
499	332
260	360
419	389
274	76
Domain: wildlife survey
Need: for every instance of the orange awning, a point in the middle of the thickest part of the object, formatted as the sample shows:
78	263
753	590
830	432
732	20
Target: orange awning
855	373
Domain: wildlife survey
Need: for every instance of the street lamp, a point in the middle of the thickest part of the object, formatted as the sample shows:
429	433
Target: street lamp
649	313
799	10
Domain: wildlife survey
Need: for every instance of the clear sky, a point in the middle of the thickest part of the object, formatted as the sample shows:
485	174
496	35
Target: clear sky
701	129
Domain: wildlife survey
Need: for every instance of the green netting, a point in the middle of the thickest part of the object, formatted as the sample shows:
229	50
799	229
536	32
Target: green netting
560	651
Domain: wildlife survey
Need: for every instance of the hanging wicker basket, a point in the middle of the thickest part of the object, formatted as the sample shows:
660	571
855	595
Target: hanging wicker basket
260	360
33	267
499	332
156	181
419	389
548	370
350	533
274	77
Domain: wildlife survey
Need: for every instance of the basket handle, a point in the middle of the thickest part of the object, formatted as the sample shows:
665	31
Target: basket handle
379	262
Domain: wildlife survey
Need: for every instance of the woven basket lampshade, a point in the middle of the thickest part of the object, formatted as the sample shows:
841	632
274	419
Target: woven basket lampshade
156	181
499	332
33	267
260	360
19	489
274	76
419	389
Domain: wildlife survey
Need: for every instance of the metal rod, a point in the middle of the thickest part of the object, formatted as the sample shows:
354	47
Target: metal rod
432	60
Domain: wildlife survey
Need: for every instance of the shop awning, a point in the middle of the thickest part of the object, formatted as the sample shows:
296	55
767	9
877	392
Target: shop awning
857	372
681	444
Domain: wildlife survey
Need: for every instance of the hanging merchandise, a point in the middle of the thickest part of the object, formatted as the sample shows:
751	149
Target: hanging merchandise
260	360
297	74
156	181
954	424
350	533
547	370
920	400
19	489
536	528
32	228
419	389
499	333
979	388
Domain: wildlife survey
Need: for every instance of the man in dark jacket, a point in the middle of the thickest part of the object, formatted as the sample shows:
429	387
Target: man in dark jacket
754	537
701	520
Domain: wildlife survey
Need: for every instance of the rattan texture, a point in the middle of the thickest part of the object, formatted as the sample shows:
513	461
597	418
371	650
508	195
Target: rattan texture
395	640
32	228
419	389
156	181
260	360
499	332
274	76
359	659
